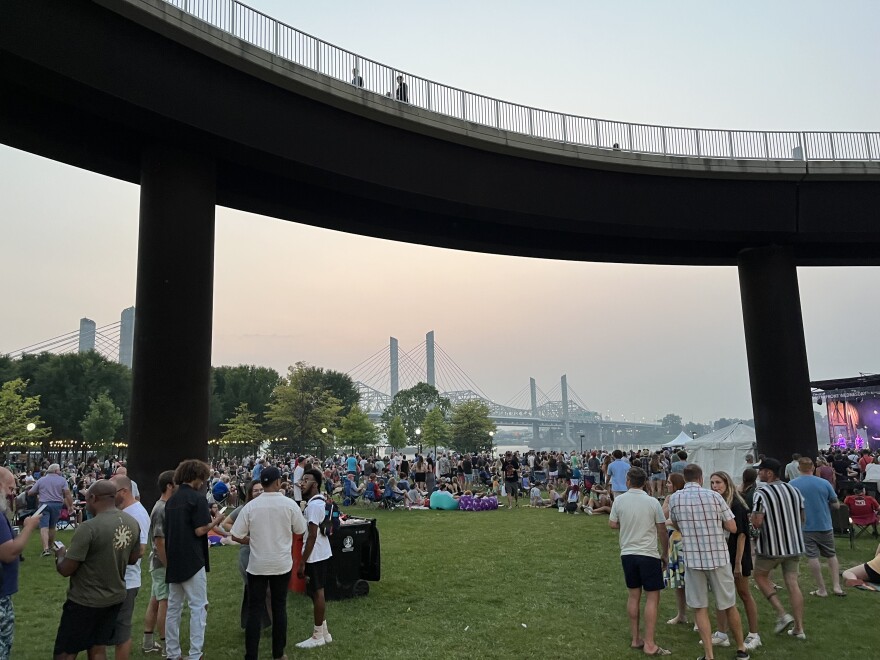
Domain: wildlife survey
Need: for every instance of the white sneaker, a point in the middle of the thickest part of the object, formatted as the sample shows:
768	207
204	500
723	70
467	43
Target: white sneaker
783	622
311	642
589	511
719	639
752	641
326	633
800	635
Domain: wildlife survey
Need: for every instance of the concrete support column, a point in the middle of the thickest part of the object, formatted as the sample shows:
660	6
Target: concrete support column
172	337
777	353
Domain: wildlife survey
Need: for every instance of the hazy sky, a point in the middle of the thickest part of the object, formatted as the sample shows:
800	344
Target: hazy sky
635	341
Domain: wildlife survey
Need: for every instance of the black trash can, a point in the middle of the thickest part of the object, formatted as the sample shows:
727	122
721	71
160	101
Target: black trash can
356	559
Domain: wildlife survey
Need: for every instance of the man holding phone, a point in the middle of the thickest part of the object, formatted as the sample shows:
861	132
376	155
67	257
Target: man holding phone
11	547
54	492
99	553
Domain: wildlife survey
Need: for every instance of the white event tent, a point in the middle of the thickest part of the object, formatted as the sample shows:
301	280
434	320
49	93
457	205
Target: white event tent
723	450
680	440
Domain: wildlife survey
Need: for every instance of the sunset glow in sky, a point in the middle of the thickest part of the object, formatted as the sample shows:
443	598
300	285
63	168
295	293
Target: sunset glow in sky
635	341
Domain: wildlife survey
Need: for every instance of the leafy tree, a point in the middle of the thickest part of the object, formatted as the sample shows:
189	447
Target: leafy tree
342	387
435	430
300	408
724	421
67	384
17	411
397	434
101	422
242	428
245	383
357	430
8	368
471	426
338	384
412	406
672	423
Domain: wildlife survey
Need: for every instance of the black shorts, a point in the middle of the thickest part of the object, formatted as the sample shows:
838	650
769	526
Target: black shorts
83	627
511	488
641	572
316	576
873	576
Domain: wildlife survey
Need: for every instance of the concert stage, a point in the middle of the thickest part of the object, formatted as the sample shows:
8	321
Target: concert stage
853	409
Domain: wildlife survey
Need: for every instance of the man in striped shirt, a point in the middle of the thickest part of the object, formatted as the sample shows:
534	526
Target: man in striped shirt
779	516
702	516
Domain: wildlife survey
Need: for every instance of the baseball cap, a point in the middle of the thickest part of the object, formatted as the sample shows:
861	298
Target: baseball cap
269	475
769	464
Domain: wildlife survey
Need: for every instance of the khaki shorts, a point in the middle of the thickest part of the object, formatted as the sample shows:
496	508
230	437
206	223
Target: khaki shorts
767	564
696	587
159	588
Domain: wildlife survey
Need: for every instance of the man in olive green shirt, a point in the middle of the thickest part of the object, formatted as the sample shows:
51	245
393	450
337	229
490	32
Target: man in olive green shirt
100	550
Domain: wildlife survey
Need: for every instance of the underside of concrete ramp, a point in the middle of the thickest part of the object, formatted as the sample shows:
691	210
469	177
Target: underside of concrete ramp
92	83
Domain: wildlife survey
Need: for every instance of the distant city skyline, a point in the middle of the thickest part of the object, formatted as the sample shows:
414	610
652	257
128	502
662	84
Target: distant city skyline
635	341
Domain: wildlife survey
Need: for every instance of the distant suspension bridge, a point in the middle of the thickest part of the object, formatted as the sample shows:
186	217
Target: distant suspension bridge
388	370
561	411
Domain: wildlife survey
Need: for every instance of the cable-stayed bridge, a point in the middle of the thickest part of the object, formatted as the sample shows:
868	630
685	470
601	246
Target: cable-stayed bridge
389	370
113	341
560	410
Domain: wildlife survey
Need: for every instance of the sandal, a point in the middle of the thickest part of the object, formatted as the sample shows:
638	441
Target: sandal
818	595
658	652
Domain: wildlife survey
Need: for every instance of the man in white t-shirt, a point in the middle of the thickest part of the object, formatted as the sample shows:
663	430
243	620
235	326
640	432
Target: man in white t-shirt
642	524
298	472
316	558
267	523
126	502
122	471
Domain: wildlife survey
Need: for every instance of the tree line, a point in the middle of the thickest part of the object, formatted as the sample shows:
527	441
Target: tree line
85	398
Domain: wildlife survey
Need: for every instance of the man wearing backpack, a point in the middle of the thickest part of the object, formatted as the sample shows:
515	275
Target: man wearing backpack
268	523
316	557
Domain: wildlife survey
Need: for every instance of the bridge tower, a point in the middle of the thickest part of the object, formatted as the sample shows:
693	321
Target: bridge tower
126	336
429	358
536	428
566	436
86	335
395	382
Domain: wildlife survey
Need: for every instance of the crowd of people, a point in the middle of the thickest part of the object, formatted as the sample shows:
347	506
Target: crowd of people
674	534
114	531
705	543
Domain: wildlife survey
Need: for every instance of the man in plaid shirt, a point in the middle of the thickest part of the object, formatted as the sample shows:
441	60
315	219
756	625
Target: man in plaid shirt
702	516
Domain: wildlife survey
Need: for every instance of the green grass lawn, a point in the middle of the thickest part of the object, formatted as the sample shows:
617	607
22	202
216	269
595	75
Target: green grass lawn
525	583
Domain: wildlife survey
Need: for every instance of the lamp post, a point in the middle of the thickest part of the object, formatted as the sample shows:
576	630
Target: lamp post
492	442
582	443
419	438
324	433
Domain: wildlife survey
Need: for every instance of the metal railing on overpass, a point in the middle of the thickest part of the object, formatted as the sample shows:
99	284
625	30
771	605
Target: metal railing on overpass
284	41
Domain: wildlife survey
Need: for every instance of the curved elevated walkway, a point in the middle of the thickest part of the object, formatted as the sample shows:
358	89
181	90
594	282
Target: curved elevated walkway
94	83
